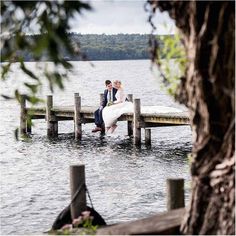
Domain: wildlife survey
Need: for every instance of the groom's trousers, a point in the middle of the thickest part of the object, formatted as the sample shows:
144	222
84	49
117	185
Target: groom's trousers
98	118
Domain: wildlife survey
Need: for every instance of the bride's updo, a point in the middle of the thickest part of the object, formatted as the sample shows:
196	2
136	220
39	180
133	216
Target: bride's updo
117	84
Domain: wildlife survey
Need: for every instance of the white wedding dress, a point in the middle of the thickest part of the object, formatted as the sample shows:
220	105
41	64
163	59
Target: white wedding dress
110	114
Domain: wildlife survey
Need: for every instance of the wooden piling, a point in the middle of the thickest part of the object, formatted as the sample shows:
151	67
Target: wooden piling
101	98
175	194
29	124
23	115
52	124
148	136
77	187
129	123
130	97
77	117
136	122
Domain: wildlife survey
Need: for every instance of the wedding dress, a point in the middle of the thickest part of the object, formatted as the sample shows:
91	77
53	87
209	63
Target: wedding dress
110	114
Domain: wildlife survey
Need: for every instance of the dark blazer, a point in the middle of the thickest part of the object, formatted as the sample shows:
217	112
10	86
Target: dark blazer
104	101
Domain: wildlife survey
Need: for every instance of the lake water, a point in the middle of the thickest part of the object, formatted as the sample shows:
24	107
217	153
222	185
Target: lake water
124	182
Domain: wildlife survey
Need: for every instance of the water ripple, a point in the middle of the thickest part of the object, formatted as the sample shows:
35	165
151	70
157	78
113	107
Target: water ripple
125	182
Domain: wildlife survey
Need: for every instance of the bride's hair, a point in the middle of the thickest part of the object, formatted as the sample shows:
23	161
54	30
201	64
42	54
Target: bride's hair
118	82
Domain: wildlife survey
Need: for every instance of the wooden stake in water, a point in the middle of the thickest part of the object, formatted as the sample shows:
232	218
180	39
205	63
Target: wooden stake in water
137	119
175	193
52	124
23	115
77	187
129	123
77	117
148	136
29	124
101	98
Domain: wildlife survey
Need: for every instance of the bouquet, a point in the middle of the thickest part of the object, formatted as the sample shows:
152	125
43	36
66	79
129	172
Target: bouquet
109	103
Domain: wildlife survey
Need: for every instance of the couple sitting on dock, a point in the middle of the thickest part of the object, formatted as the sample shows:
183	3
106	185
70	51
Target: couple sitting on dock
114	104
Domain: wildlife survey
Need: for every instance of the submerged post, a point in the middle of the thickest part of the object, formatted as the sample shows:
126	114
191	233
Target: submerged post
52	124
23	115
77	117
137	119
148	136
78	193
175	193
129	123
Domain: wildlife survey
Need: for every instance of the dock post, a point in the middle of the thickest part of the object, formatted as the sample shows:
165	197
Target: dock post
77	117
23	115
101	98
129	123
52	124
77	187
29	124
137	119
148	136
175	194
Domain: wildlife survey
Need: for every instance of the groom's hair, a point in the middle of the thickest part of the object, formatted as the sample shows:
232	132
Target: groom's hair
107	82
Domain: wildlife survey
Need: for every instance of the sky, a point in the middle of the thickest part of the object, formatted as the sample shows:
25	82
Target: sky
120	16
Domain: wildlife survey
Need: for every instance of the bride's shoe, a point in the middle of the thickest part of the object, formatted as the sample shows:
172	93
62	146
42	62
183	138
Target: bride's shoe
107	129
113	128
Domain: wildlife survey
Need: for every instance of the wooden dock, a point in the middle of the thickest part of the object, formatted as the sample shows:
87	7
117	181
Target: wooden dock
85	114
166	223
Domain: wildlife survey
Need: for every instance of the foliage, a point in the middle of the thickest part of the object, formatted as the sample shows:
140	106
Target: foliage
175	57
104	47
53	42
83	225
19	18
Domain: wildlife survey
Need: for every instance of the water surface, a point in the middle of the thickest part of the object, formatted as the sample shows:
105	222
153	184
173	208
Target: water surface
124	182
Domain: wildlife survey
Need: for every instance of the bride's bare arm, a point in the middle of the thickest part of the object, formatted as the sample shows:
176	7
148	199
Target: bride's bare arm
120	96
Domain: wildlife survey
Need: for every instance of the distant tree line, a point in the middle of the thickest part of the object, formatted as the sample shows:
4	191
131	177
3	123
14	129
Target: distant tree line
103	47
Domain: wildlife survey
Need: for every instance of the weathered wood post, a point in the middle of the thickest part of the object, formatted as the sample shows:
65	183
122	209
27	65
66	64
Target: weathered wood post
101	100
129	123
52	124
136	122
175	193
148	136
29	124
23	115
77	187
77	117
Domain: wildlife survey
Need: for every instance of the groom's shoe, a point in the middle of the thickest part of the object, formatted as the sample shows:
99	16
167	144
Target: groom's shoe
96	129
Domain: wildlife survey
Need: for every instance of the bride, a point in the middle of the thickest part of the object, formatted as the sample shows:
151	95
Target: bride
112	112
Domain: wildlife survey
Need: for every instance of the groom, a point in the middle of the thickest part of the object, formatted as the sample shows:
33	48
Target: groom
108	98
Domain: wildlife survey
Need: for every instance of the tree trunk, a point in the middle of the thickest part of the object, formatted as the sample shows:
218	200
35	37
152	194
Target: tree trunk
208	91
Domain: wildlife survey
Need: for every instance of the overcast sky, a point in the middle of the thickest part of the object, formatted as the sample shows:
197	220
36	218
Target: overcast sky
120	16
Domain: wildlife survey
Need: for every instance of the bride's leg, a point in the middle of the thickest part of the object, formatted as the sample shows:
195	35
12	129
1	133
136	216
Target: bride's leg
113	128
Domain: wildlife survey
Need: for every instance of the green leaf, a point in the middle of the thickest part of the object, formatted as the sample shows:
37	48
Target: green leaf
5	70
28	72
32	87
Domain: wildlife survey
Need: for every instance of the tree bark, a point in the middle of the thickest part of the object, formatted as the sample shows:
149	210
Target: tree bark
208	30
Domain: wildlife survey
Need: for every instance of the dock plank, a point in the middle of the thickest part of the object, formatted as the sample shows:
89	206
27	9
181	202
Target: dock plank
163	223
87	113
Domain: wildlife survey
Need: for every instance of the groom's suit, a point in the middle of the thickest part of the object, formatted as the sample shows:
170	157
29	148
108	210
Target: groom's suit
98	112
